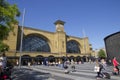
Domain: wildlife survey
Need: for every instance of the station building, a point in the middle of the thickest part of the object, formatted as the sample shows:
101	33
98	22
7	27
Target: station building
39	45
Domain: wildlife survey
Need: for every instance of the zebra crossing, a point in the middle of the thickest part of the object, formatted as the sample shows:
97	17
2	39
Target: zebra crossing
83	72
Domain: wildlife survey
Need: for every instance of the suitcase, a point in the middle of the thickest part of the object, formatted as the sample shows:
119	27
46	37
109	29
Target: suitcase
107	75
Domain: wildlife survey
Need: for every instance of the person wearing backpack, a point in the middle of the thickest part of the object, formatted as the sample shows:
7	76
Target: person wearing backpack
100	70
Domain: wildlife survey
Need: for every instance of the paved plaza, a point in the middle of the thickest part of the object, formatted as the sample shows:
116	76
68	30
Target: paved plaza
40	72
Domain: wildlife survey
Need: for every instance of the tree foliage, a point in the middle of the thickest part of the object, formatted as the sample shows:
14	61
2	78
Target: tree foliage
102	54
3	47
8	14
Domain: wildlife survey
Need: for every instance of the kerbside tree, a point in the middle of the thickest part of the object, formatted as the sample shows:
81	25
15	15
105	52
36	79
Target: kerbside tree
8	14
102	54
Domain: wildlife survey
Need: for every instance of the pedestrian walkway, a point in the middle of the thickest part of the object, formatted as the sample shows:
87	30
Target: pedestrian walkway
83	72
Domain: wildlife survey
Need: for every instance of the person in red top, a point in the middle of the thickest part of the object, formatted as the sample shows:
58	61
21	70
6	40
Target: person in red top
115	64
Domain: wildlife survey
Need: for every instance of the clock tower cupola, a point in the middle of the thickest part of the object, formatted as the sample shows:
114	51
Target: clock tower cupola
59	25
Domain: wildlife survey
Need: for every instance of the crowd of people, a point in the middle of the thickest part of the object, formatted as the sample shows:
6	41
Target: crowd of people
100	66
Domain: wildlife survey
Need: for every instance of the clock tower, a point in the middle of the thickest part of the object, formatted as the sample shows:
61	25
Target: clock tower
60	37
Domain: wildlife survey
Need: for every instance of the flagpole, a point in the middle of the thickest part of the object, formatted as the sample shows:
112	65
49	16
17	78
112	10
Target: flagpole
21	41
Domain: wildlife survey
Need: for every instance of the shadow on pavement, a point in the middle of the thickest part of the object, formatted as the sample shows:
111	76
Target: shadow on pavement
29	74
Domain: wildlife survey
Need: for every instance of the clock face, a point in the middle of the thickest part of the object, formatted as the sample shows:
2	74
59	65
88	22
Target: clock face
59	27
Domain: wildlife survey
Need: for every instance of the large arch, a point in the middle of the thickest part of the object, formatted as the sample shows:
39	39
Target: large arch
35	42
73	47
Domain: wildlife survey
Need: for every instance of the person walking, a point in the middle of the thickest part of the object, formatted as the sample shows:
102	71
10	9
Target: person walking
100	69
97	68
4	59
72	65
29	65
115	64
66	67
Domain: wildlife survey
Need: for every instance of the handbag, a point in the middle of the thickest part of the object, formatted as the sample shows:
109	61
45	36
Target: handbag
96	69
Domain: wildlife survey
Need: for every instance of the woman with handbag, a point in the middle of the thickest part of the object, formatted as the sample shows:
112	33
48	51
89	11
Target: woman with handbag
99	68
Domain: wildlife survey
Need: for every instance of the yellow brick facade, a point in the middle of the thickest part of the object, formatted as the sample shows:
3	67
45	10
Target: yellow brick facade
57	41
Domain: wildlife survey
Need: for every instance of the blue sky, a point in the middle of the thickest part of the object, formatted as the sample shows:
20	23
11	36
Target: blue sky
98	18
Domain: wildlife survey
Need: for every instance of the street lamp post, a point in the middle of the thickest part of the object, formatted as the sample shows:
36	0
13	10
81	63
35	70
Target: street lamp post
21	38
84	41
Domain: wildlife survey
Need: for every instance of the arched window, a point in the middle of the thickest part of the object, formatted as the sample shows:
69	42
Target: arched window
73	47
35	43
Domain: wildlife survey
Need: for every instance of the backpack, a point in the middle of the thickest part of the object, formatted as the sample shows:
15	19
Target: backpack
65	66
101	66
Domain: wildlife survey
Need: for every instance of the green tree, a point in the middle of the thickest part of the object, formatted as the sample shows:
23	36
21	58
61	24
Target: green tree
101	54
3	47
8	14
